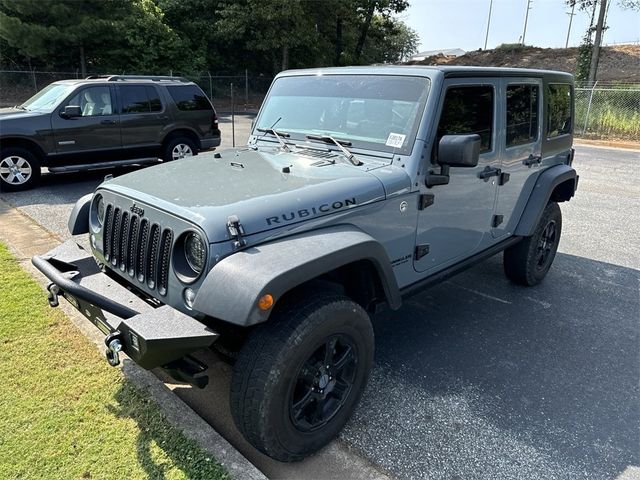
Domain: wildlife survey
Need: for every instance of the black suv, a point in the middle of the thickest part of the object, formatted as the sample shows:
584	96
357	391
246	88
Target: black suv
104	121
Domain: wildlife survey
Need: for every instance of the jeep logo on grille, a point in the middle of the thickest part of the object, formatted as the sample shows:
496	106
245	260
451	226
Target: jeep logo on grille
137	210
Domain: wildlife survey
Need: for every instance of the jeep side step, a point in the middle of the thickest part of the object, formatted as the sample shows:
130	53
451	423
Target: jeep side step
101	165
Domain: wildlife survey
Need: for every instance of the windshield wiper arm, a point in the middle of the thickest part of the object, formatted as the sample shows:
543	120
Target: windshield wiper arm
278	135
340	144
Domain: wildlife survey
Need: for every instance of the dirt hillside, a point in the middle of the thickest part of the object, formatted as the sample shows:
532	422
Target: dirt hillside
619	63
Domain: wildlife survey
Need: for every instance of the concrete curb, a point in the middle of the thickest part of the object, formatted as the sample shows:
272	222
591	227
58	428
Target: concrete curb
624	145
26	238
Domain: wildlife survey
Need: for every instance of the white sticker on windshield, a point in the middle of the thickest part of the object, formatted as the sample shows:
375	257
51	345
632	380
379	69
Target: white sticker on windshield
395	140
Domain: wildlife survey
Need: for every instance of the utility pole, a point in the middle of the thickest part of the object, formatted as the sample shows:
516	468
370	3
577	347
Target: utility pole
486	38
573	7
595	55
526	19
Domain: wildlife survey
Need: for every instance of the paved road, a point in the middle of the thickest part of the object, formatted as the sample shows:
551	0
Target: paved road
478	378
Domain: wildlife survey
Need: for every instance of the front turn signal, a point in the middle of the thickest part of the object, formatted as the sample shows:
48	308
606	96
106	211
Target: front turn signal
265	302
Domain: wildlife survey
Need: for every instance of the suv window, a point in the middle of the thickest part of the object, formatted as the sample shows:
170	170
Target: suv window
189	97
558	110
522	114
93	101
140	99
468	110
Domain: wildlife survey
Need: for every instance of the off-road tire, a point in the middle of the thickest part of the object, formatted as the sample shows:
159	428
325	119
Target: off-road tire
16	155
523	263
269	368
168	154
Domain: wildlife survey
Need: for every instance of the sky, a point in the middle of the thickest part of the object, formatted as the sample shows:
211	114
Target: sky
463	23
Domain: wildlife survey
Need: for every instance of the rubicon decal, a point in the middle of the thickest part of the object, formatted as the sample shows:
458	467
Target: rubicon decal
309	212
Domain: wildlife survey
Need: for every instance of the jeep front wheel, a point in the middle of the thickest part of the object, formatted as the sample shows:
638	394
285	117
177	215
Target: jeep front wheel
179	148
19	169
299	376
528	262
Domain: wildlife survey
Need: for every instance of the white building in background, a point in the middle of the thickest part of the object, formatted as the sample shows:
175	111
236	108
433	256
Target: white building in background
444	52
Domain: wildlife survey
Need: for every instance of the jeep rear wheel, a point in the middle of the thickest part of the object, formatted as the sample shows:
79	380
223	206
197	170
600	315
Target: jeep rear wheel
528	262
299	377
178	148
19	169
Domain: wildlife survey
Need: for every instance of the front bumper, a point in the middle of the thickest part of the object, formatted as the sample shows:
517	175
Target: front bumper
151	336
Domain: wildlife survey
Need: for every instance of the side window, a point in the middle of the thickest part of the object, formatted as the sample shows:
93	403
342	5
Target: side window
140	99
468	110
93	101
154	99
189	97
522	114
558	109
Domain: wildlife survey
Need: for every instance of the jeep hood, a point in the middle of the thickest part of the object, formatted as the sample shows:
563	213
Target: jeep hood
264	189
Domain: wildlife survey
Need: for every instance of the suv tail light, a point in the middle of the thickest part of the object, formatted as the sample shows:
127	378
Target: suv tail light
214	122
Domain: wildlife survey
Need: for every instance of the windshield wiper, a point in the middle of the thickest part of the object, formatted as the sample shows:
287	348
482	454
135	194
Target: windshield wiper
19	107
278	135
340	144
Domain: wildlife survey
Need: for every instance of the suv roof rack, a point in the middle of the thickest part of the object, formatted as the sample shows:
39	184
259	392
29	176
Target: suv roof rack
154	78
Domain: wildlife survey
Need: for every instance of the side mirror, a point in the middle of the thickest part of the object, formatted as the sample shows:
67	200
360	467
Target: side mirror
459	150
71	111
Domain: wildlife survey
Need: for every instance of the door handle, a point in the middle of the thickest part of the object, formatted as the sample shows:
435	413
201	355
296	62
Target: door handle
108	122
533	159
489	172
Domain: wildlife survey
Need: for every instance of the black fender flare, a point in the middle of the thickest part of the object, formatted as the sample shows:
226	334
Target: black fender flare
79	218
232	288
541	194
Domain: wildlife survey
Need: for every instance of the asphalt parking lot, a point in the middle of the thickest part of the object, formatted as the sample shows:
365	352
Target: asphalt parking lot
476	377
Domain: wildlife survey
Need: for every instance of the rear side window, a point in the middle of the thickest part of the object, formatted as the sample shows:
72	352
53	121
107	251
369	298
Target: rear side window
189	97
522	114
468	110
558	110
139	99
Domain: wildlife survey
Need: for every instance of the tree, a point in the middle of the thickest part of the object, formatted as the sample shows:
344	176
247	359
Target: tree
56	29
367	9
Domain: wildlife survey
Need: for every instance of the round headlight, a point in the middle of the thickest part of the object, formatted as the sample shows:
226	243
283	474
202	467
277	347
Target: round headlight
100	209
195	252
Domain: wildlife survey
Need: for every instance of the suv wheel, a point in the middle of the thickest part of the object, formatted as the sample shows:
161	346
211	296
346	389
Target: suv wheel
179	148
528	262
300	375
19	169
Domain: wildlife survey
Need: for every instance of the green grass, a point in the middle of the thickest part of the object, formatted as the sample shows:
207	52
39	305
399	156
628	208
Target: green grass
64	413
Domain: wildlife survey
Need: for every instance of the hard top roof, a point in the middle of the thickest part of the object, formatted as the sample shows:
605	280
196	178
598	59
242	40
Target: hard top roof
429	71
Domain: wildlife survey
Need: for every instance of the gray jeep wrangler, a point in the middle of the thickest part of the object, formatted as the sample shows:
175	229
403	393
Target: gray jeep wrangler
357	188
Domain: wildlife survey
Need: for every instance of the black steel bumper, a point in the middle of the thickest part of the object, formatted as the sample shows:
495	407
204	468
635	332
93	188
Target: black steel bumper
152	337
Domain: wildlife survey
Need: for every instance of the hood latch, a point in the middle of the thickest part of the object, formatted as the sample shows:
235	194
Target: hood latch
236	230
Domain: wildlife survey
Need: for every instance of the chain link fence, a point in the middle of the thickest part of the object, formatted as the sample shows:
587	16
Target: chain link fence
608	111
603	110
227	92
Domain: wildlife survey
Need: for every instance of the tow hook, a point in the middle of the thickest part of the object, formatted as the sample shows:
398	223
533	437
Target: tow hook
54	290
114	347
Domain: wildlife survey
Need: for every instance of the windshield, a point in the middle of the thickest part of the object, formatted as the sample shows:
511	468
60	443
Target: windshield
47	98
377	112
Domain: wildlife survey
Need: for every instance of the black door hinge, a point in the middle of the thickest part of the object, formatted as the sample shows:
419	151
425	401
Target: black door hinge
497	220
421	251
425	200
504	178
236	230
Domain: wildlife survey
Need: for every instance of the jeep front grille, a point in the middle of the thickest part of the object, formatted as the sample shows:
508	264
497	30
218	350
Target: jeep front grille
138	248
